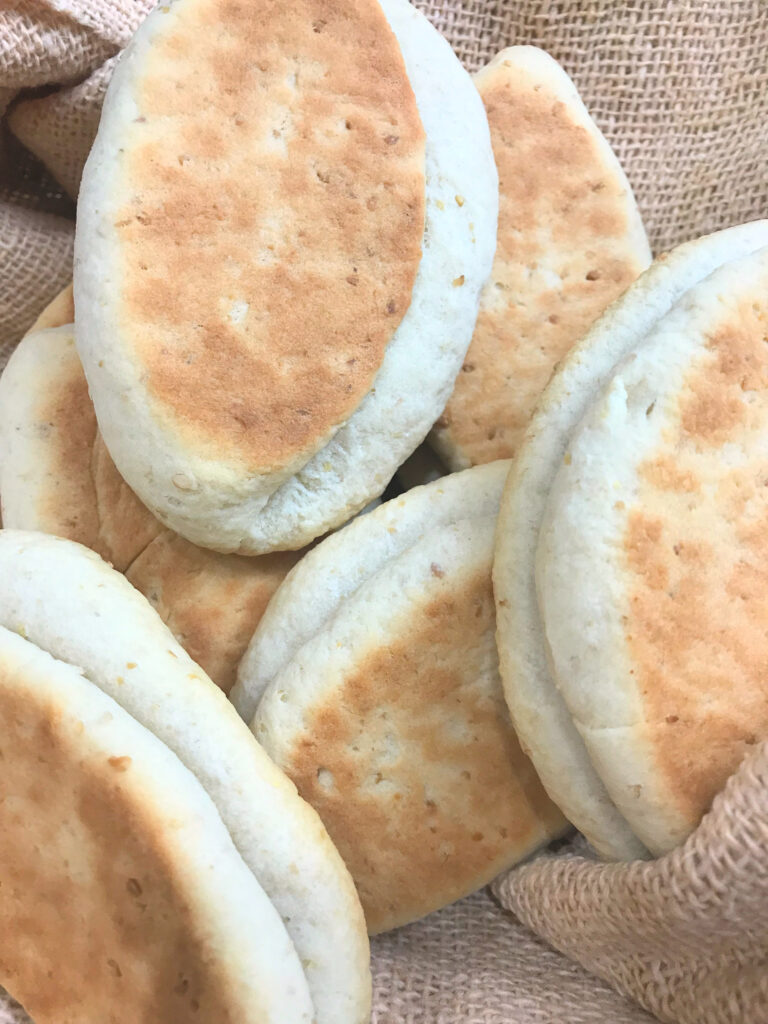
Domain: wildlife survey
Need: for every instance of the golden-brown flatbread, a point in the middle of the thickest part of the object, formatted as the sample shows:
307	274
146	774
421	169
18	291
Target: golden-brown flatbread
390	717
117	903
211	603
275	284
655	611
56	476
570	241
68	602
539	712
312	111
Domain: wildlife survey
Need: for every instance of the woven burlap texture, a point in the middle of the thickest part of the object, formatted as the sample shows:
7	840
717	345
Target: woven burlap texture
685	935
680	88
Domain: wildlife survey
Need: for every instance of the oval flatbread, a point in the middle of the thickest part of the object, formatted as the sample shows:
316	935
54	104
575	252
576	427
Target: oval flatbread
570	241
275	282
651	558
390	716
57	477
67	601
541	717
122	895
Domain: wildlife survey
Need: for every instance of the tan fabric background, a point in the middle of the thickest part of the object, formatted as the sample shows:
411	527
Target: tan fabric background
680	87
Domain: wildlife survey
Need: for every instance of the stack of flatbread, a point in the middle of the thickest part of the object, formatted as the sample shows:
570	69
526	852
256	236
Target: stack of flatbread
629	563
251	713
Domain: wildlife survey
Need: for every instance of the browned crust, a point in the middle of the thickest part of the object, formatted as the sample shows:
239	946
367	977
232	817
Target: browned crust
287	174
94	926
212	603
414	767
696	547
126	526
87	500
561	208
68	505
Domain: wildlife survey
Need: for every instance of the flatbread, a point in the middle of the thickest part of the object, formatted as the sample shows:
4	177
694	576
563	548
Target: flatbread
56	476
570	242
651	560
275	282
330	574
391	720
541	717
67	601
122	896
210	602
60	310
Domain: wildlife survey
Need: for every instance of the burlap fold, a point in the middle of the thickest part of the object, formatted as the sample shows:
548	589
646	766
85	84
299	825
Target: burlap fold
680	87
686	935
473	963
40	45
30	240
59	128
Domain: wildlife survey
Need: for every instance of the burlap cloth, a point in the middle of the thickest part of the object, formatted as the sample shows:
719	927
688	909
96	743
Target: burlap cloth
680	88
